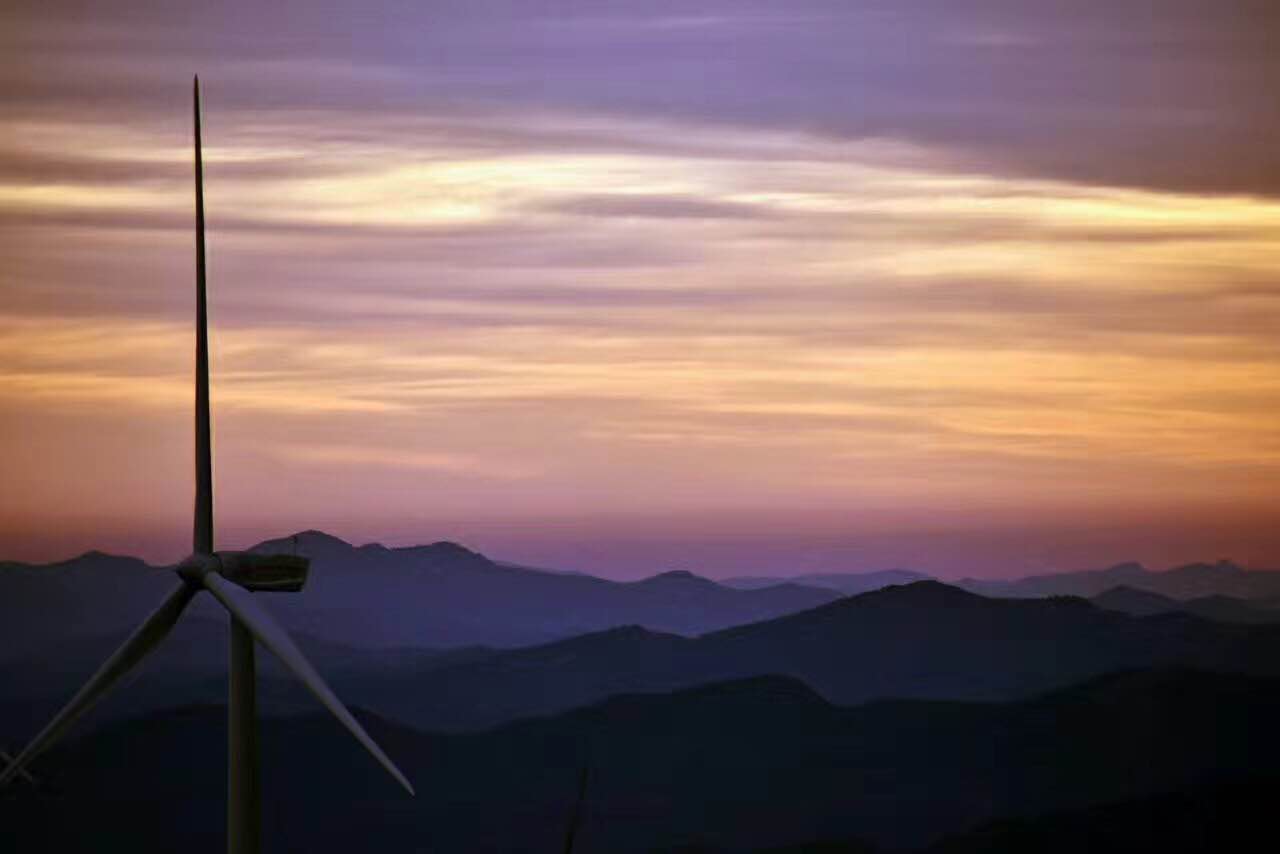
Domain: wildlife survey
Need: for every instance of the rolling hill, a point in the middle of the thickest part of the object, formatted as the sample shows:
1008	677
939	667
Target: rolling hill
733	766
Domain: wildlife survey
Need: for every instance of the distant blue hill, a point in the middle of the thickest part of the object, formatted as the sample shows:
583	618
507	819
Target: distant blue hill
1224	609
925	640
848	583
438	595
1191	581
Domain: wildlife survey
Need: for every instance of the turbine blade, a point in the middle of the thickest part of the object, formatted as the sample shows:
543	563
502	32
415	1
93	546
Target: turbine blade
202	529
144	639
269	633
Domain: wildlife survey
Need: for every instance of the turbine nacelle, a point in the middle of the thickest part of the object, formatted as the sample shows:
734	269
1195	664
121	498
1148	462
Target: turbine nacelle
257	572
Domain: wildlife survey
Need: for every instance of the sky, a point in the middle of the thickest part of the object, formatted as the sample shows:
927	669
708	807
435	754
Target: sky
975	287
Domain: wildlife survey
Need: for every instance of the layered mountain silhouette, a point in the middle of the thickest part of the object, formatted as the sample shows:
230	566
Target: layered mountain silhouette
92	594
439	595
848	583
1224	609
1192	581
714	717
190	668
922	640
737	766
445	595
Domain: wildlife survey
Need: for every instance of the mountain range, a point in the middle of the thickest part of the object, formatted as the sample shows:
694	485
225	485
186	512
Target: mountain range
923	640
849	712
1223	609
733	766
1191	581
1186	582
439	595
848	583
445	595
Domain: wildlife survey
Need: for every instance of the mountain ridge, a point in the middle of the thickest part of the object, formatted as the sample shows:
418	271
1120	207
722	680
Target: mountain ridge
670	770
435	595
924	640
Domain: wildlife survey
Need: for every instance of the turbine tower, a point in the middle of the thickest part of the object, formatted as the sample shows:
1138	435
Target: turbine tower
231	578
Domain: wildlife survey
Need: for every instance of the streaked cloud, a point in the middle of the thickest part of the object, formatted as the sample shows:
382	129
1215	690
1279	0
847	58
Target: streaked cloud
629	292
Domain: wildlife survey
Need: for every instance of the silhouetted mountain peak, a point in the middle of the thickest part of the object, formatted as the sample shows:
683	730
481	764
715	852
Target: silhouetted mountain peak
616	634
676	576
311	543
1221	567
1183	582
928	593
446	557
845	583
96	559
311	536
449	547
1136	601
603	642
1129	567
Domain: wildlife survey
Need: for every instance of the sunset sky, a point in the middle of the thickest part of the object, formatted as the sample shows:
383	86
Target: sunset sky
972	287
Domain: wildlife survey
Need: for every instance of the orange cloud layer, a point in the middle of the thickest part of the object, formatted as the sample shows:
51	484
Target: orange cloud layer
772	320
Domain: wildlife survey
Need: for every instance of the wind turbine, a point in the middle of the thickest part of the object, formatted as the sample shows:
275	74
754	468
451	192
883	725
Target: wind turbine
231	577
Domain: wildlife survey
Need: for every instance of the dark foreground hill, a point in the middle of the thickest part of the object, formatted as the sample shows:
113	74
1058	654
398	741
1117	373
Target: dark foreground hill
1207	819
1225	817
923	640
439	595
733	766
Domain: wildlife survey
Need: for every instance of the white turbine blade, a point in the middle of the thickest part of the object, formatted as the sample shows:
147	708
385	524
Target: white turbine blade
267	631
146	638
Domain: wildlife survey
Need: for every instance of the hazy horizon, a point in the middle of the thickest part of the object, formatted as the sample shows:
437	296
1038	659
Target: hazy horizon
632	555
974	288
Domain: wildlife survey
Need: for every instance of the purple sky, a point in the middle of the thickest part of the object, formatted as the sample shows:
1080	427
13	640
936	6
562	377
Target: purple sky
973	287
